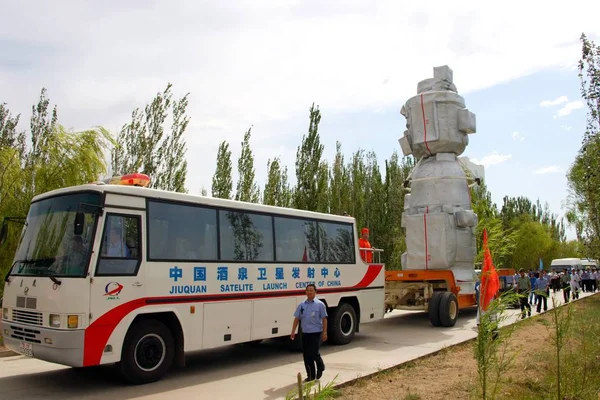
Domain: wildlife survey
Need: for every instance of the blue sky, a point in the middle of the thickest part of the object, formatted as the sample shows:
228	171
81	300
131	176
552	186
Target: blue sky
263	63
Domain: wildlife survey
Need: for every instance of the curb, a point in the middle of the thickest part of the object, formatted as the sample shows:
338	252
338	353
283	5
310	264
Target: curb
7	353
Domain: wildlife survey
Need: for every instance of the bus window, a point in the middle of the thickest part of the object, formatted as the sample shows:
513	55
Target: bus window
337	242
120	250
180	232
245	236
296	240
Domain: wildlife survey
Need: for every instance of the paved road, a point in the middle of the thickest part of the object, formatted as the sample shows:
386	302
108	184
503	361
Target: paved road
264	372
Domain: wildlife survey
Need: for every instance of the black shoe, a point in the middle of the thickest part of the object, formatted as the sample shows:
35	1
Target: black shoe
319	374
308	380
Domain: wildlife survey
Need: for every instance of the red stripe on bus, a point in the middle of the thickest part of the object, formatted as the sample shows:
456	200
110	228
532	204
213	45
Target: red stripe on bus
98	333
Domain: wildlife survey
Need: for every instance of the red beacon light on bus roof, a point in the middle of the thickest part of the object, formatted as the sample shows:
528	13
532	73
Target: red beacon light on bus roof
135	179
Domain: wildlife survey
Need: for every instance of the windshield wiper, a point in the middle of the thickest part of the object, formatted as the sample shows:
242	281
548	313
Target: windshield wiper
35	261
51	276
41	264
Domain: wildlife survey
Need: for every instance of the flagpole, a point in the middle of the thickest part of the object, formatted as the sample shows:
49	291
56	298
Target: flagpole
481	285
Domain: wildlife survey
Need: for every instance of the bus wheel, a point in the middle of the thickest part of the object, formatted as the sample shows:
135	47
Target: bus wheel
434	308
448	309
147	353
342	324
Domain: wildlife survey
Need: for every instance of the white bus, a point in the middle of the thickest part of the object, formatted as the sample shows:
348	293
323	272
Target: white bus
113	273
560	264
589	263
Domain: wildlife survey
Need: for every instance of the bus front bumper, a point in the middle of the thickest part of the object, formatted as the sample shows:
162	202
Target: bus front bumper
52	345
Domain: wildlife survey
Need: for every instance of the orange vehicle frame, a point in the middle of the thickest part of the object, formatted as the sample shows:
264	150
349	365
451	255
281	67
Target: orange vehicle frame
464	300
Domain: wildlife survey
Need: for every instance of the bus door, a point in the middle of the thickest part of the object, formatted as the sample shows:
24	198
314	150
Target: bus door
118	278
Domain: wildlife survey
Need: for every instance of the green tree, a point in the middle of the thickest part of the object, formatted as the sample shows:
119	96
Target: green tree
339	188
247	189
41	128
308	164
375	212
323	188
358	180
583	176
58	159
277	190
9	135
222	183
144	146
394	240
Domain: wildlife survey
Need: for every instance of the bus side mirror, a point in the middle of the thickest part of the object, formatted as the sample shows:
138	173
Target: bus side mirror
79	220
3	233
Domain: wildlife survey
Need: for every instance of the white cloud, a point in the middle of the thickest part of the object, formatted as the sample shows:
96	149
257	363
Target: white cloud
555	102
494	158
264	61
569	108
518	136
548	170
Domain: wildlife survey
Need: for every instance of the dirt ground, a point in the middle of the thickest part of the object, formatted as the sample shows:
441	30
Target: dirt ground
452	373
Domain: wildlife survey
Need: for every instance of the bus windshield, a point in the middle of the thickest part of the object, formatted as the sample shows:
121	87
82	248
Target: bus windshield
48	245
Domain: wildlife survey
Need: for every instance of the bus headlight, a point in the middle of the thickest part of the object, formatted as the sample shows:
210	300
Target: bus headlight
5	313
73	321
55	320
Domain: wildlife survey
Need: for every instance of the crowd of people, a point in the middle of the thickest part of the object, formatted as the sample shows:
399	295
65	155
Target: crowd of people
536	286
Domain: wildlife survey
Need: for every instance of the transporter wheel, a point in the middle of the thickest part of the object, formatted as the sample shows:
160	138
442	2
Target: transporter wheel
342	324
434	308
448	309
147	353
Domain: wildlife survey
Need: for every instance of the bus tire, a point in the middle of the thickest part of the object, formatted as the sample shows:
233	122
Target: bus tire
434	309
448	309
147	353
342	324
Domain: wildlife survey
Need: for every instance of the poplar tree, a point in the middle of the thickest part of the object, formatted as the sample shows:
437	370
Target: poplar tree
583	176
247	189
339	188
222	183
375	218
277	191
144	146
323	199
358	187
308	164
394	243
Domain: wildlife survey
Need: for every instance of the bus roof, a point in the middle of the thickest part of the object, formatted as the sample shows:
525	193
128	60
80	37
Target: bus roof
191	199
566	261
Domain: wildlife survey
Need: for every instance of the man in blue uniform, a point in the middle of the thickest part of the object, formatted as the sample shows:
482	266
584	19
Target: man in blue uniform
312	317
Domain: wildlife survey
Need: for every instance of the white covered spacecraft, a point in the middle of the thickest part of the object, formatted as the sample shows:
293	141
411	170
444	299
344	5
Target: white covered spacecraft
439	221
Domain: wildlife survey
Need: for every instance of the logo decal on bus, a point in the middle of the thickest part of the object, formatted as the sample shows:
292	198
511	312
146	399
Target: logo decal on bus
112	290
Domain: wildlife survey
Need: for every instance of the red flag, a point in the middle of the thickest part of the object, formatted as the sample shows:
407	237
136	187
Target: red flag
490	283
304	257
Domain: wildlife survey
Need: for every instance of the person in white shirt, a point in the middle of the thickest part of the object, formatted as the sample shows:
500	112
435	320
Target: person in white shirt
116	245
575	279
